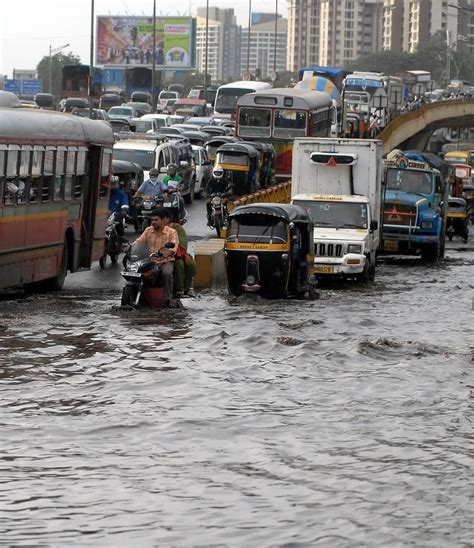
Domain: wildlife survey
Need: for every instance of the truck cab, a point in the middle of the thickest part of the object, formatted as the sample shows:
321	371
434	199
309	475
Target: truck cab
415	205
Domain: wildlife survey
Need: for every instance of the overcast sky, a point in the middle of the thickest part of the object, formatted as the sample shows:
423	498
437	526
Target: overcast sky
29	27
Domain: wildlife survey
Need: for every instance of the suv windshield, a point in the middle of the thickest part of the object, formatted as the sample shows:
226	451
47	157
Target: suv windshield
335	214
146	158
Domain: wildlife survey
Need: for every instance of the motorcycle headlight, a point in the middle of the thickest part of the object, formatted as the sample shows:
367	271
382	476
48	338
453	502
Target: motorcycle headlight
354	248
251	280
146	205
217	200
134	267
427	224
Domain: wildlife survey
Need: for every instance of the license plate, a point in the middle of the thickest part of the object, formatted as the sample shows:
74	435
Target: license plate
167	204
390	245
324	269
131	274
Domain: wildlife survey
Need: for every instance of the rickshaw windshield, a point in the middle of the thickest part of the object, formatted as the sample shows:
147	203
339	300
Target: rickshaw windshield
232	159
257	229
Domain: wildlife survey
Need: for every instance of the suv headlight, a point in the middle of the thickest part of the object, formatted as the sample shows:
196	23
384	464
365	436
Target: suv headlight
426	224
354	248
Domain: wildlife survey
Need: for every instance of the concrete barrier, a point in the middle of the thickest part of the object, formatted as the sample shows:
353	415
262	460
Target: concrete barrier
210	264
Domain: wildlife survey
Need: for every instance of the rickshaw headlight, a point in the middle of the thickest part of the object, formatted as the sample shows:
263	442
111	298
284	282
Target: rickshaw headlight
353	248
284	257
426	224
251	280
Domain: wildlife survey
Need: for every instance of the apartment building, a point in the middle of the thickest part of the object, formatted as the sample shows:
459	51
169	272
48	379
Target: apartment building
261	54
223	49
303	33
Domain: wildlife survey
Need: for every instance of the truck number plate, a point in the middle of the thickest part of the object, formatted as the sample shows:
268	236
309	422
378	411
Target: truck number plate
324	269
390	245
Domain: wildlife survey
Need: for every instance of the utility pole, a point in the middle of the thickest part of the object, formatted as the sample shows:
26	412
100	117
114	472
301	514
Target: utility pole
91	60
275	44
153	62
248	36
206	51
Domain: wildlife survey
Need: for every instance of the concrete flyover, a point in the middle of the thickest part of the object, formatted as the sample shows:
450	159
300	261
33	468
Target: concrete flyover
413	129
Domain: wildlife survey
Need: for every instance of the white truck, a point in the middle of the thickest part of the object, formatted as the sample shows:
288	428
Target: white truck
339	182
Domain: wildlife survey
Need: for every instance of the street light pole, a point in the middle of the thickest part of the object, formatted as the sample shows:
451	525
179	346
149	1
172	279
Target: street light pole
248	36
153	62
91	60
275	44
53	51
206	50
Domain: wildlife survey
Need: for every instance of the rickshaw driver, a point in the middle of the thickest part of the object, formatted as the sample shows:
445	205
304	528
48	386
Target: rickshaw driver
156	237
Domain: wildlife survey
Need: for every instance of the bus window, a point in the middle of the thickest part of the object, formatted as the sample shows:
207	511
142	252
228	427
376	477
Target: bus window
35	190
289	122
68	187
321	123
259	119
58	183
46	188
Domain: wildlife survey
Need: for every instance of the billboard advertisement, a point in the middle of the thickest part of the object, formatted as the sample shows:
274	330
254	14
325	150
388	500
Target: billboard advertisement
128	41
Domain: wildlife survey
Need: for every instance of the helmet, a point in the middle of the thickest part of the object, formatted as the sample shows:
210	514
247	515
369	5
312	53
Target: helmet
153	172
172	169
217	173
114	181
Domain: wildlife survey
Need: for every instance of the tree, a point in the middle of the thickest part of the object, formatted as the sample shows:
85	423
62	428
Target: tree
58	61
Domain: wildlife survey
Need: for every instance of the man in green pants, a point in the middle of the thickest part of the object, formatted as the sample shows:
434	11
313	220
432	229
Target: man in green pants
185	265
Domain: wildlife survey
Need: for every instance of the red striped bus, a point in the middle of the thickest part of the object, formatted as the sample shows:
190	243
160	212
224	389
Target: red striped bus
54	180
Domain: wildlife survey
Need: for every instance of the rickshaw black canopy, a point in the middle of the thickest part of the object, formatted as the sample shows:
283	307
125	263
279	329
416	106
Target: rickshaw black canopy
286	212
239	148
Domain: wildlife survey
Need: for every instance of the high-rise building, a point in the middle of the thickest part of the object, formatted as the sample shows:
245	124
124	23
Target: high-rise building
223	43
303	33
261	54
349	29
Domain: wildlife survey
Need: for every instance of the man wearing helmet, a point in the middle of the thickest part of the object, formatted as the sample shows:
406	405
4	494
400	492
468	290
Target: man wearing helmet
118	197
219	184
171	182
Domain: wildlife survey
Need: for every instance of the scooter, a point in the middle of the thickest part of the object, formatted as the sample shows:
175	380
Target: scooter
140	273
172	201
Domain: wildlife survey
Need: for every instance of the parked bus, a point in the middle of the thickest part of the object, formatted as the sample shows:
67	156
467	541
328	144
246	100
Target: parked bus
54	179
228	94
75	79
280	115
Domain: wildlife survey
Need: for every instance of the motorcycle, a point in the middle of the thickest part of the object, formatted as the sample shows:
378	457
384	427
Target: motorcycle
172	201
140	273
148	204
114	241
218	212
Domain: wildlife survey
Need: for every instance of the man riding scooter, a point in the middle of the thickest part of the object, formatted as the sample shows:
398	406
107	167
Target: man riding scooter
219	190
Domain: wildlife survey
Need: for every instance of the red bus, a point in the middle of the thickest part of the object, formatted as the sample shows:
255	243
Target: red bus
54	180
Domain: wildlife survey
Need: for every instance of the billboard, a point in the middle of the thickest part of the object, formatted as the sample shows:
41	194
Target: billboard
128	41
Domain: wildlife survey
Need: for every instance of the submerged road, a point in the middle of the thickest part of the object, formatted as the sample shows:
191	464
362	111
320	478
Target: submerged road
343	422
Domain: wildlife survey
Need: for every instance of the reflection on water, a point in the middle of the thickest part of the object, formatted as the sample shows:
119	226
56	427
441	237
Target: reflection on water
341	422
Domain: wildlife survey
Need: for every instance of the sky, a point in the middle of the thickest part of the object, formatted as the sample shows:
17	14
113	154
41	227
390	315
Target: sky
29	27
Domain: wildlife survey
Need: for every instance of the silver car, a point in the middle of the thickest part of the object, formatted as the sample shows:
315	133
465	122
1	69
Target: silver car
203	169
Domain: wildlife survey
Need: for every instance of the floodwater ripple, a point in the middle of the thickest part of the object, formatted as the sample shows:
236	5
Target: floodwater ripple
341	422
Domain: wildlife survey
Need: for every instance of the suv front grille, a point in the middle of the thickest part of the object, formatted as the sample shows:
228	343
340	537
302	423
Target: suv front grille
328	250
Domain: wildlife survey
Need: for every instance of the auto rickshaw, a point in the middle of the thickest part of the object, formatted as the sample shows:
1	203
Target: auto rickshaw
267	159
199	138
217	141
269	250
240	164
457	219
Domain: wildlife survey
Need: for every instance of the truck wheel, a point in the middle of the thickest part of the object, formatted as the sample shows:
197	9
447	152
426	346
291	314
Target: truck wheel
372	273
56	283
430	253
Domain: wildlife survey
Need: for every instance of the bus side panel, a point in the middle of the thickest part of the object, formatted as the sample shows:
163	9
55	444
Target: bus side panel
12	231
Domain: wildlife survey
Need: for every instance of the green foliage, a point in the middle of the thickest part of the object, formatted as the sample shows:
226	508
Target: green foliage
58	60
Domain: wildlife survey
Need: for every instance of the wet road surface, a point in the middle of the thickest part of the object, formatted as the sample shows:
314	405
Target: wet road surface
343	422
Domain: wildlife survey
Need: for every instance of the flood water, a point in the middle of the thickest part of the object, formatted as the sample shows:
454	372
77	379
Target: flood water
343	422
